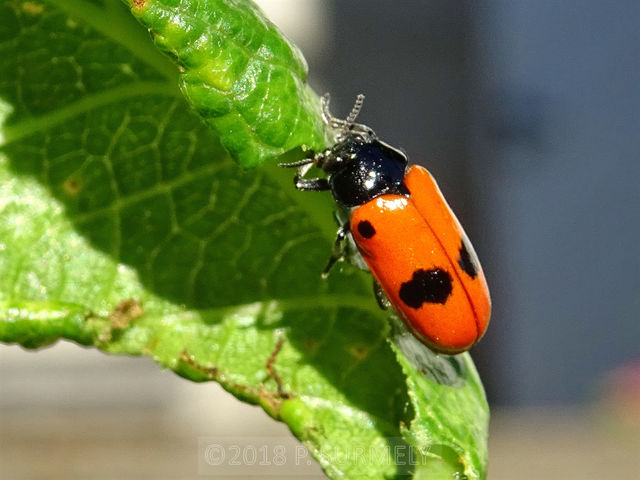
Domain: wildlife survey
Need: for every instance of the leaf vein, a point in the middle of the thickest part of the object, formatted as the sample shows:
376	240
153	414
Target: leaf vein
18	131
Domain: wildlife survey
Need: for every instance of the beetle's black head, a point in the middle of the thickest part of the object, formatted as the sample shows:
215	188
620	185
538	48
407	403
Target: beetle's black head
361	168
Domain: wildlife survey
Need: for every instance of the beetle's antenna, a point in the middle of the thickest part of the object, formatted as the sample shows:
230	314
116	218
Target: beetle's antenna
299	163
354	111
326	114
347	125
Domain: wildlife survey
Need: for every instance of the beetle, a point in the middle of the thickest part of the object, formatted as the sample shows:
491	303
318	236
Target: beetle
406	233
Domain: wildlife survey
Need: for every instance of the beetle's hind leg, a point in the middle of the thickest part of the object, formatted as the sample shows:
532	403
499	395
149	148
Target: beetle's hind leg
383	301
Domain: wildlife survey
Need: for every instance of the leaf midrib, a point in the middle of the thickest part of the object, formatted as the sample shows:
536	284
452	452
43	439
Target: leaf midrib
17	131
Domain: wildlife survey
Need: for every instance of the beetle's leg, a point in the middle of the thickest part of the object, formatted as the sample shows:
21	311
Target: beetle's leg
383	301
303	166
314	184
339	249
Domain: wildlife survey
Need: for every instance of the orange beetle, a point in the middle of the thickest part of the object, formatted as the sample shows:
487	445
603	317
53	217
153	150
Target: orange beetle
406	233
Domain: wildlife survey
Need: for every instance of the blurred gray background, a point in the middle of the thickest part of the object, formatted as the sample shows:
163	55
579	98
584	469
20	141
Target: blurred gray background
528	114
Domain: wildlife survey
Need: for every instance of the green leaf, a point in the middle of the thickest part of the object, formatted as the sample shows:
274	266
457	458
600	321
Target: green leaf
231	57
126	225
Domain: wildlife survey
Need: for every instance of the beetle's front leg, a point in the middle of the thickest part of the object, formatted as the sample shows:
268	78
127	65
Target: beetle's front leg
313	184
303	166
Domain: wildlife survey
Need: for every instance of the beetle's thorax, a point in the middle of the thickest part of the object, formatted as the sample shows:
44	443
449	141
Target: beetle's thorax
362	168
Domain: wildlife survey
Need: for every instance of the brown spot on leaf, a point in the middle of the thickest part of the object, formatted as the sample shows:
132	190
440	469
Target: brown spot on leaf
270	401
125	312
359	351
311	345
211	372
270	367
72	185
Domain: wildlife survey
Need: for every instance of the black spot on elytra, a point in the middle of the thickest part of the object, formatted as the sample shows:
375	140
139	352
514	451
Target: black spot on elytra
466	262
426	286
366	229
